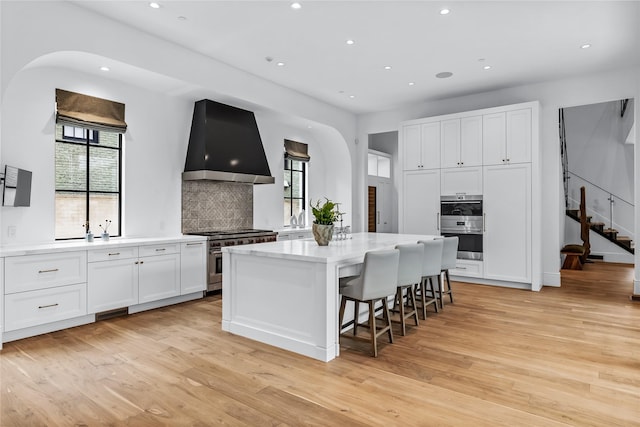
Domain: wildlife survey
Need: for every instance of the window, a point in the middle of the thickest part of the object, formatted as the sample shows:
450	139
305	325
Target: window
294	188
379	164
88	181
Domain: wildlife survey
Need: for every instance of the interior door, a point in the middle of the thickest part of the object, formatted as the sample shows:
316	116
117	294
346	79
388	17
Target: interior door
379	205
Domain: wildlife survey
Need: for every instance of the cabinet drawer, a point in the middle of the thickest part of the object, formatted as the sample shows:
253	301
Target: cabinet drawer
148	250
113	253
32	272
467	268
33	308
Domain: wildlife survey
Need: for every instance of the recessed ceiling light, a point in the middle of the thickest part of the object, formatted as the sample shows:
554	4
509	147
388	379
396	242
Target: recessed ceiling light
309	127
585	46
182	18
295	5
387	67
352	96
154	5
444	11
486	67
280	64
411	83
444	75
104	68
350	41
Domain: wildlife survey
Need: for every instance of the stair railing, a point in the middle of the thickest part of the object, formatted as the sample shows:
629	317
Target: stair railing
603	205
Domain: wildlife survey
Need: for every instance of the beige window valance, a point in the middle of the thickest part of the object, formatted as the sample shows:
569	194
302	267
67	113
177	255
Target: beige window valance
296	151
76	109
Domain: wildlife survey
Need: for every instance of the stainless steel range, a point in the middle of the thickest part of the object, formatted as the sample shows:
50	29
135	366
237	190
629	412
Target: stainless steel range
216	240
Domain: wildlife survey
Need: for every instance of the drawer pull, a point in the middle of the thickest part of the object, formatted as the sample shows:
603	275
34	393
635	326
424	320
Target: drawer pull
49	305
194	244
461	268
48	271
114	254
161	249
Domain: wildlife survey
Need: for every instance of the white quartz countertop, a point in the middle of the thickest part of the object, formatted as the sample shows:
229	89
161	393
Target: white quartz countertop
81	245
338	250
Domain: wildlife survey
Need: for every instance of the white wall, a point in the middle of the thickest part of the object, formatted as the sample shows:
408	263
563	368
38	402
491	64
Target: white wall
158	81
578	90
387	142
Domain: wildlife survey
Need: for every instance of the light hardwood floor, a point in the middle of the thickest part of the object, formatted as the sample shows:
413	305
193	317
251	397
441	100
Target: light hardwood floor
497	357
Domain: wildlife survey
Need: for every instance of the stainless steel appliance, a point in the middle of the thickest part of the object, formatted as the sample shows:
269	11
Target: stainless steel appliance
461	216
216	240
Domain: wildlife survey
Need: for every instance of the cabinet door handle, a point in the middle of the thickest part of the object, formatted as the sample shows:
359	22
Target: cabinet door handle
47	306
141	262
484	222
378	217
114	254
438	220
161	249
48	271
461	268
194	244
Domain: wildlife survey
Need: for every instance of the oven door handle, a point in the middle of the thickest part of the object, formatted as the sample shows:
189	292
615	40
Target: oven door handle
438	221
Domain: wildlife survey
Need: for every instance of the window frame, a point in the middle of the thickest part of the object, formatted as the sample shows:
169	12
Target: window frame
289	177
88	142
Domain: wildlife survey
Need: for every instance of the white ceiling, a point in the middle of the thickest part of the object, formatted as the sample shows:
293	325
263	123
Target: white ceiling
523	41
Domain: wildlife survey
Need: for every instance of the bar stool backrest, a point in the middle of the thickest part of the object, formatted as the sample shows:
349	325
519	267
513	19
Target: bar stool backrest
432	260
379	274
449	253
410	267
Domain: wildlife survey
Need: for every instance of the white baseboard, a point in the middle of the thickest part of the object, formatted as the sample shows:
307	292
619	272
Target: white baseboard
551	279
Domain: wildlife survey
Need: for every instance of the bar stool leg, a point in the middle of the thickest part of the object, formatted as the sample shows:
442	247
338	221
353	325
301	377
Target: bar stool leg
403	326
387	317
372	328
411	294
343	304
449	291
356	316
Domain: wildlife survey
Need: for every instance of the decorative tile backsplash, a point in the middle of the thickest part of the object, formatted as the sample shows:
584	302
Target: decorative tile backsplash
214	205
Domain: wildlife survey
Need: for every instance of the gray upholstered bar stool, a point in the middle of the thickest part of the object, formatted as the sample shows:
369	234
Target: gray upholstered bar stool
449	256
409	275
431	268
376	282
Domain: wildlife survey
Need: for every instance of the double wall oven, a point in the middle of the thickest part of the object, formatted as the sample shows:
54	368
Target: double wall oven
461	216
216	240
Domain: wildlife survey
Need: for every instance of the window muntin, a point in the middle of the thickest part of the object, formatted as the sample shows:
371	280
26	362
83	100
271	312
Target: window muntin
88	181
294	188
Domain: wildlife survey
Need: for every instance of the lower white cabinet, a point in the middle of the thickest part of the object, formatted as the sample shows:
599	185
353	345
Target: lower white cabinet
158	277
421	202
32	308
112	284
507	235
193	267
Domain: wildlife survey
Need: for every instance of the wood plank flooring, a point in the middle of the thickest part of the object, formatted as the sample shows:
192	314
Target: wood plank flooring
567	356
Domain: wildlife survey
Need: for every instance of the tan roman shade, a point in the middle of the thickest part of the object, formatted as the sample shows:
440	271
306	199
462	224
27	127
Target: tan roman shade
296	151
76	109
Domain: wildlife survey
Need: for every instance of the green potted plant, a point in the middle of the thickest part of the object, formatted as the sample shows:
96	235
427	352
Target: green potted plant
324	215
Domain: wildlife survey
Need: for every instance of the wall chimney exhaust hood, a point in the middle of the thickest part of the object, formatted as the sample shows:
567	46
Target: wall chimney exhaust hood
225	145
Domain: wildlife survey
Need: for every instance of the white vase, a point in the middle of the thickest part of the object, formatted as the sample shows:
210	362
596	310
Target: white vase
293	222
301	219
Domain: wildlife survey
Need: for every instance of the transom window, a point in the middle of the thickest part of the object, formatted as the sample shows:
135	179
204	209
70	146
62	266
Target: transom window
88	181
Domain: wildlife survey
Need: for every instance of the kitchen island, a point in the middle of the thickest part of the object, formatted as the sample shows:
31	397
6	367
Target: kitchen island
285	293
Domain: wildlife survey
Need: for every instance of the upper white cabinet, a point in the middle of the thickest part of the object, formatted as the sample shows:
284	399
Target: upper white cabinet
461	142
421	146
461	181
506	137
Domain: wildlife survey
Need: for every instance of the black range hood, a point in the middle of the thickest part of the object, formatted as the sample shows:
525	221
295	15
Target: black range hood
225	145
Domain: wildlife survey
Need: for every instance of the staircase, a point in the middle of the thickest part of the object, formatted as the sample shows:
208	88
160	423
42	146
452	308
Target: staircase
608	233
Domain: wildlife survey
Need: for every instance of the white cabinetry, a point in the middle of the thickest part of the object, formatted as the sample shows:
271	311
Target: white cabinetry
421	202
158	272
113	279
461	142
507	235
44	288
1	300
492	152
461	181
507	137
421	146
293	234
193	267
